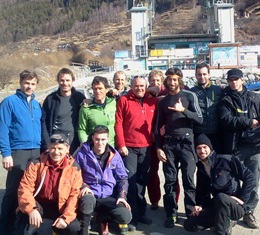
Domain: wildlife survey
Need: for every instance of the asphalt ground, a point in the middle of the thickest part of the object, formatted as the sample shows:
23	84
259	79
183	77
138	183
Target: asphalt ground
158	217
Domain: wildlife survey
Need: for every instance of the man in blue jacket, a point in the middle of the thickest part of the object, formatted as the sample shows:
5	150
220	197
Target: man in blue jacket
20	139
220	199
105	183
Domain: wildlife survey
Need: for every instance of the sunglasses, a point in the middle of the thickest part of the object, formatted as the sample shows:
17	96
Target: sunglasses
137	76
58	141
101	126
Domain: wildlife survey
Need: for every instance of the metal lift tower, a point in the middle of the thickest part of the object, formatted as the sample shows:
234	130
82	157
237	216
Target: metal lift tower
220	14
142	13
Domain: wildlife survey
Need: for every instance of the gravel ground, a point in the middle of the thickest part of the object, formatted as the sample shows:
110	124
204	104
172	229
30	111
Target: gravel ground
158	217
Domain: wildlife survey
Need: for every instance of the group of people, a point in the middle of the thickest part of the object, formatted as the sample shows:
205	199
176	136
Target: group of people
97	158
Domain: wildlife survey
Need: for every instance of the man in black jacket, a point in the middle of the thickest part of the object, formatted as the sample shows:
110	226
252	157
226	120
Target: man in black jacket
239	111
219	197
209	96
60	111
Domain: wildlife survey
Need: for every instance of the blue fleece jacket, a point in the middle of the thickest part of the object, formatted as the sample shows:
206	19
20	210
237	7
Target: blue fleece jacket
20	126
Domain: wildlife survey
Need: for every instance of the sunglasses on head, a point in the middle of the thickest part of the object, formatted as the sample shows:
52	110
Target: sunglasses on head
138	76
58	141
101	126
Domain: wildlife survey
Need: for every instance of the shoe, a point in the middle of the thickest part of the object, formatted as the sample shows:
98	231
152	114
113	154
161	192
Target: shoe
132	227
123	228
104	229
250	220
145	220
154	206
232	224
171	221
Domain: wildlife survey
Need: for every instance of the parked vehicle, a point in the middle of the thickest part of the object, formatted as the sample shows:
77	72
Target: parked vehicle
253	86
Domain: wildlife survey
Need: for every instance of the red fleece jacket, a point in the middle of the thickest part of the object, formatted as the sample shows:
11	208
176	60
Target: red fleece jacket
135	121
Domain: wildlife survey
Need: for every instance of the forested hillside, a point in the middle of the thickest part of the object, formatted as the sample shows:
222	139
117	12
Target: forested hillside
22	19
46	35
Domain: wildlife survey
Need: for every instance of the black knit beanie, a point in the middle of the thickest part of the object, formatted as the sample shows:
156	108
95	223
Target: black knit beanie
203	139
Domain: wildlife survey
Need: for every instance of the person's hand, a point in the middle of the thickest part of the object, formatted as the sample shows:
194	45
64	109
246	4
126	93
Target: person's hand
85	191
86	102
114	92
8	163
178	106
123	151
239	201
154	90
35	218
161	155
162	130
124	202
255	123
60	223
196	210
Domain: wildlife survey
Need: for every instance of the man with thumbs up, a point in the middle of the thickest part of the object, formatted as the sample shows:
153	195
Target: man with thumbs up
177	111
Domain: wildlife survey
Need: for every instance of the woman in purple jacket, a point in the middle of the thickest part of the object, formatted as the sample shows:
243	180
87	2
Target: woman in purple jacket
106	183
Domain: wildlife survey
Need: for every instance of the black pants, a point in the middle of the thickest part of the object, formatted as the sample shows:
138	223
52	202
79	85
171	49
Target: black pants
179	152
219	214
137	165
47	211
21	158
249	154
106	210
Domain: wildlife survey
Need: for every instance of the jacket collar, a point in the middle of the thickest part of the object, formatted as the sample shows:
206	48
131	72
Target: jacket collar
20	94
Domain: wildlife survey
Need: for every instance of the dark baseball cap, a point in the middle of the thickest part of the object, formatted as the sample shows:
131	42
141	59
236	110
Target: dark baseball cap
234	73
59	139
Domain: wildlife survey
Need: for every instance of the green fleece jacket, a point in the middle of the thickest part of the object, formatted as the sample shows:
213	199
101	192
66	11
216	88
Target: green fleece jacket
93	115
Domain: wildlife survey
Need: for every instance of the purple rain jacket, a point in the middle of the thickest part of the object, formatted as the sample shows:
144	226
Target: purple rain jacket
102	183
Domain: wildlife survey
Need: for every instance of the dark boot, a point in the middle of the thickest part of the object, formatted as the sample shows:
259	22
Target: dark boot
85	224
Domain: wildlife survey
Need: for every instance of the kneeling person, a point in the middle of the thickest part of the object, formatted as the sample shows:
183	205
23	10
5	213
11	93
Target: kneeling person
220	200
50	189
106	183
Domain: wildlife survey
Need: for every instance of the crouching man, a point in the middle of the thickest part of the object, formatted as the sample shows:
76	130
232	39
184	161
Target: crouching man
220	200
106	183
50	189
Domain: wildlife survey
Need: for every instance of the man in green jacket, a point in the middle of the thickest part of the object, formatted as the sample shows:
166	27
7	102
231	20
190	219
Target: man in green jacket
101	111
